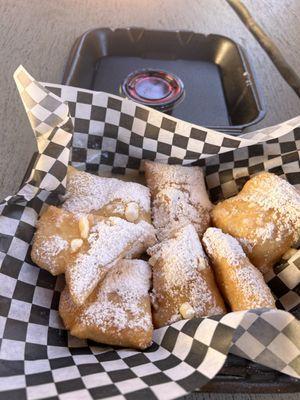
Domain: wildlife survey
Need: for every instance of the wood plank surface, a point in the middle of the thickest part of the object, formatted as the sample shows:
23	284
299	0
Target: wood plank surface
39	35
281	21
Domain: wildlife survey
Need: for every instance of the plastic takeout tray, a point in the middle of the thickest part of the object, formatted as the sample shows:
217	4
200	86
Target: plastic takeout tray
220	91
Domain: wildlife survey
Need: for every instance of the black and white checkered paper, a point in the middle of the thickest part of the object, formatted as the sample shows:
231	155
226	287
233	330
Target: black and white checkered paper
111	135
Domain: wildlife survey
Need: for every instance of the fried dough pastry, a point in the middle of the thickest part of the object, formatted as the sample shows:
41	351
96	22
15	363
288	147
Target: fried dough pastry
107	197
85	247
178	197
264	217
109	240
183	282
118	312
55	231
242	284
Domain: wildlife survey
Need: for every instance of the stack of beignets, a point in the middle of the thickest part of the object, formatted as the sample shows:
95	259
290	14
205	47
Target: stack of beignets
104	223
60	247
177	269
101	222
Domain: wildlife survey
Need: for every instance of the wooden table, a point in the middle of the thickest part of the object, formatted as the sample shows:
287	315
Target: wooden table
39	35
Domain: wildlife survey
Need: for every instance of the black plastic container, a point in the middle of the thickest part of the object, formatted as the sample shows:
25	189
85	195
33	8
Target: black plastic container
220	91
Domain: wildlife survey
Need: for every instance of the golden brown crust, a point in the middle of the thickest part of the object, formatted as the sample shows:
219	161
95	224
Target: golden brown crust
181	274
107	240
118	312
264	216
242	284
55	230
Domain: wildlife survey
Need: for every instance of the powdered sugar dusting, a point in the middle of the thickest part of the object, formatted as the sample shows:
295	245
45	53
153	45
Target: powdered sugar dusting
226	246
119	300
87	192
182	258
108	240
248	279
172	205
254	289
160	176
273	193
266	232
51	247
179	196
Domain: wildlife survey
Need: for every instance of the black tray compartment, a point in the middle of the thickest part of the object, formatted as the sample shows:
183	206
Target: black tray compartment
220	88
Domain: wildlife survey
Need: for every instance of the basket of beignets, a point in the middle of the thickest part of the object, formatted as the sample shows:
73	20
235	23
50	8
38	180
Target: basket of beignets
204	260
201	238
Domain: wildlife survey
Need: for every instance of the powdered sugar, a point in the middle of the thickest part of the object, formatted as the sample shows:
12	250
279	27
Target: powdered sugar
183	247
226	246
86	192
51	247
189	179
173	205
254	289
273	193
266	232
108	240
119	300
179	196
248	280
182	258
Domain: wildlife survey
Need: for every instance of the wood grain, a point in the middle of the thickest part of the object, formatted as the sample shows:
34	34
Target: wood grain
266	42
281	21
39	35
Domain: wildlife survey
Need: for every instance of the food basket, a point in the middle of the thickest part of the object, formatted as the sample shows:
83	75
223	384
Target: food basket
105	134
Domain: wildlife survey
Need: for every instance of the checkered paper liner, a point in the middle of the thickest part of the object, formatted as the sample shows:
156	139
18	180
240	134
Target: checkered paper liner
38	357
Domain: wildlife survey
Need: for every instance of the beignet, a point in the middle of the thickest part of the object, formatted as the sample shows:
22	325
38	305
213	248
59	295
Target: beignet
84	247
264	217
118	312
109	240
183	282
107	197
178	197
242	284
55	231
